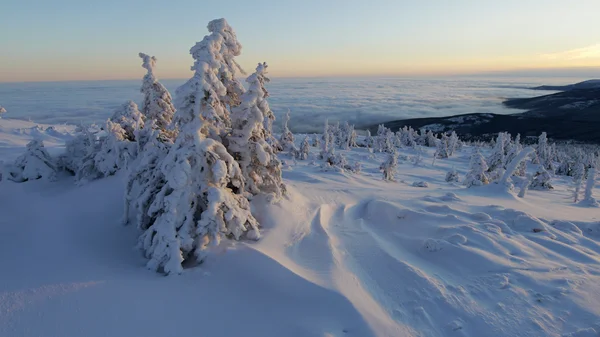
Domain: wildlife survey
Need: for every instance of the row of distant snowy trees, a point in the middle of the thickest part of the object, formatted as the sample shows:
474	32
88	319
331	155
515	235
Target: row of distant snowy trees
195	163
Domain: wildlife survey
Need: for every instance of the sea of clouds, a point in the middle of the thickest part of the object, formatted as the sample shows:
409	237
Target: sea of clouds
361	101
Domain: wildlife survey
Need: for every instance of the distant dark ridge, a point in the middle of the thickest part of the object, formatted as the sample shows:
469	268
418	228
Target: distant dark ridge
572	115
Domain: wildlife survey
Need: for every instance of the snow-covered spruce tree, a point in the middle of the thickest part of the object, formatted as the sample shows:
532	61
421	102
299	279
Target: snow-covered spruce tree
578	176
513	165
129	118
497	159
304	149
390	166
146	178
453	142
442	147
2	111
202	198
325	144
157	105
316	141
544	155
381	138
477	170
34	164
352	137
431	139
588	199
541	179
287	137
213	63
369	143
260	166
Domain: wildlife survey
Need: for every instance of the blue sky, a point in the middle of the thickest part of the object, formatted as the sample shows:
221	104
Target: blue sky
75	39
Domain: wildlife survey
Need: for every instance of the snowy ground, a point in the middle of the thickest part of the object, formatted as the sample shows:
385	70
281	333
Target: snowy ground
345	255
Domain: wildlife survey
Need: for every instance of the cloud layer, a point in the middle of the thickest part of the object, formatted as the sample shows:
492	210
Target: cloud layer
360	101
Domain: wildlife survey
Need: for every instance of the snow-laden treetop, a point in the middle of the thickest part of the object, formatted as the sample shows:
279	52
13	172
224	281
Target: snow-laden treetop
221	46
149	62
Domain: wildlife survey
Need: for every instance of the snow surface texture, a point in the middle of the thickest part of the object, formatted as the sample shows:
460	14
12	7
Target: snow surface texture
360	101
345	255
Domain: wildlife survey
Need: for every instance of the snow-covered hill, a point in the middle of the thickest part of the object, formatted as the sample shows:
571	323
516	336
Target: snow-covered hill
345	254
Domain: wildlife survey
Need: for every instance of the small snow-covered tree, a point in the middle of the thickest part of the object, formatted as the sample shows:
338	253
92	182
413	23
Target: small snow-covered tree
390	166
588	199
477	170
34	164
129	118
369	140
431	139
452	176
525	184
442	148
260	166
2	111
453	143
325	144
316	141
544	155
157	103
578	176
541	179
304	149
287	137
497	159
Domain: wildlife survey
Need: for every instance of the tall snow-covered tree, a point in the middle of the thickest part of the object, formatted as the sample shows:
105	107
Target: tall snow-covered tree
202	196
544	155
157	104
477	170
205	94
442	147
260	166
34	164
453	143
369	140
431	139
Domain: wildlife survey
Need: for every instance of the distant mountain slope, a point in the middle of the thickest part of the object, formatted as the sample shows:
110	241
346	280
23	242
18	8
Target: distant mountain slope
568	115
589	84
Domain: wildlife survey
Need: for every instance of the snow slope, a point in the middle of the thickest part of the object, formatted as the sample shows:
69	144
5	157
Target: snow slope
344	255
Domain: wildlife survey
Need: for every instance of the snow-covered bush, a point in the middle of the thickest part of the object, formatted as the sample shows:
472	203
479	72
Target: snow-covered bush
453	143
2	111
316	141
390	166
452	176
325	147
525	184
588	199
544	154
541	179
157	104
431	140
34	164
422	184
477	171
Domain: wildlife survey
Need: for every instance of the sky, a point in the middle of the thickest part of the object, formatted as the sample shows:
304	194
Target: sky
58	40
